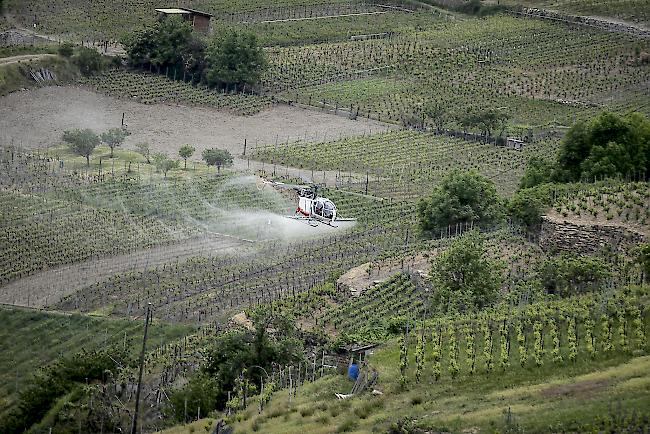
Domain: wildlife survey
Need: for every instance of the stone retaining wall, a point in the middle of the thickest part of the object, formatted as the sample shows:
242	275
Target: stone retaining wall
571	237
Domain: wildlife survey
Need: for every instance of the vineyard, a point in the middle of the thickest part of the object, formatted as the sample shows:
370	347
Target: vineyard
475	278
541	368
634	11
155	89
38	338
541	73
407	163
627	205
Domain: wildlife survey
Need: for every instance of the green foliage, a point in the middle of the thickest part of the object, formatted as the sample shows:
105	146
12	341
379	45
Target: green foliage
461	197
217	157
82	142
464	277
538	171
114	138
89	61
609	145
569	274
186	152
163	163
66	49
485	120
144	149
233	361
58	379
477	8
168	43
643	259
235	58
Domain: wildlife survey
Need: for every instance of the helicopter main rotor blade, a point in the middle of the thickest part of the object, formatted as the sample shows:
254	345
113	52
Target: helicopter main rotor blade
283	185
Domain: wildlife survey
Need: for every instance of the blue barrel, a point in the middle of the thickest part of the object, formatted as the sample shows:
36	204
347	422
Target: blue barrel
353	372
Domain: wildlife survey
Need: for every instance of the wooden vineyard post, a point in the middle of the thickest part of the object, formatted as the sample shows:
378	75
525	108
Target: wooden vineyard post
134	425
322	365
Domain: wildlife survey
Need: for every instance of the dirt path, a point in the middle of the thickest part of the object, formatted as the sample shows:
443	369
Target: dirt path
38	117
48	287
24	58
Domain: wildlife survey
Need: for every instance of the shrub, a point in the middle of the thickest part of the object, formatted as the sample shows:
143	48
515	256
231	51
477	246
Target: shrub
66	49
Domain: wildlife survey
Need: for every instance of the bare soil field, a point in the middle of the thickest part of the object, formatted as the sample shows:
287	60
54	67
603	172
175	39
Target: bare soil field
37	118
48	287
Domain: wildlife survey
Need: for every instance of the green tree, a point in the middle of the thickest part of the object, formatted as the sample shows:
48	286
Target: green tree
490	120
235	58
217	157
88	60
464	277
82	142
66	49
485	120
538	171
169	43
459	198
236	354
607	146
114	138
186	152
144	149
164	164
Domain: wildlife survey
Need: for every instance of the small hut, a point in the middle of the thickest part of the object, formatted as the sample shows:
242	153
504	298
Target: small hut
200	20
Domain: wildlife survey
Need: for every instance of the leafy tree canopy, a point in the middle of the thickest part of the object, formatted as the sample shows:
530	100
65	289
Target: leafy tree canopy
239	352
82	142
167	43
538	171
88	60
460	197
235	58
114	138
217	157
464	277
609	145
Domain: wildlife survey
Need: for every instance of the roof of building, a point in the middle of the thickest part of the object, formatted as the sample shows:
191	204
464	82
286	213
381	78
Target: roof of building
194	11
172	11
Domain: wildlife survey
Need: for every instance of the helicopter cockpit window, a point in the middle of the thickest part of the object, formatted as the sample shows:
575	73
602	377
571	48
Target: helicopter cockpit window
328	211
319	208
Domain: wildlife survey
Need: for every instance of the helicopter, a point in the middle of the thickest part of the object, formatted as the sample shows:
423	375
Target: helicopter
312	208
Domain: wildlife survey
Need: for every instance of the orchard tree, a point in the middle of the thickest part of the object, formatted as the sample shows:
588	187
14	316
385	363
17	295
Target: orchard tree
464	276
186	152
164	164
235	58
461	197
144	149
82	142
114	138
217	157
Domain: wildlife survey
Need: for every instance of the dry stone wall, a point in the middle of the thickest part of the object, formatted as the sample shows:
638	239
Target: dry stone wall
557	235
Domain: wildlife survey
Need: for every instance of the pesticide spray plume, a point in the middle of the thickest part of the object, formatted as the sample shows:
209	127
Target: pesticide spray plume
258	224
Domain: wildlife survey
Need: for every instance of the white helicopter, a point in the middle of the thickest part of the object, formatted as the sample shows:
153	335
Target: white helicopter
312	208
